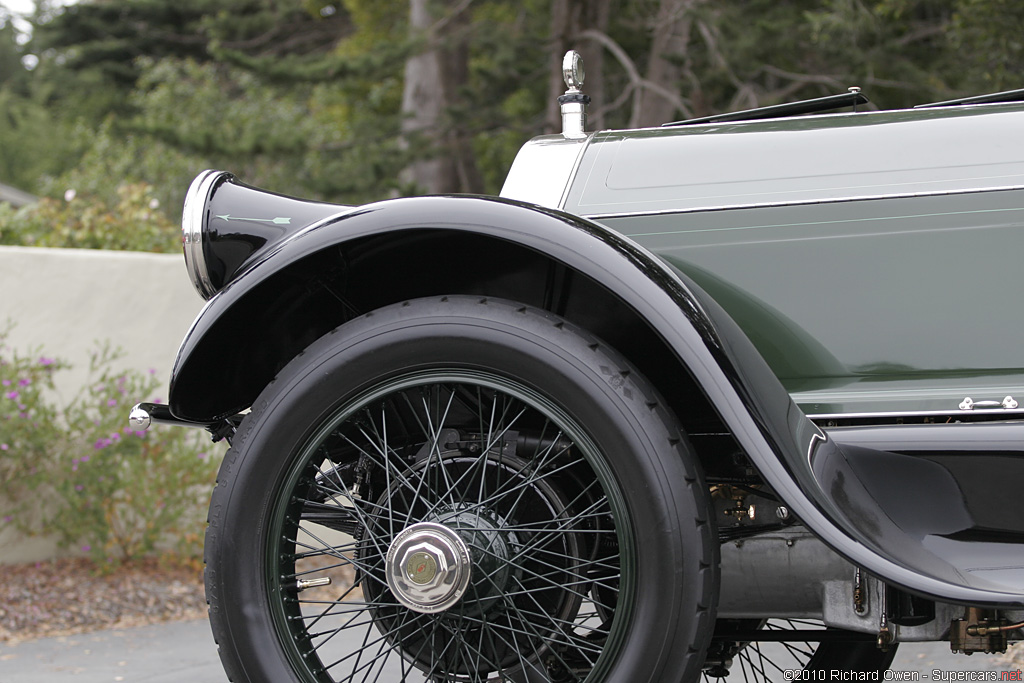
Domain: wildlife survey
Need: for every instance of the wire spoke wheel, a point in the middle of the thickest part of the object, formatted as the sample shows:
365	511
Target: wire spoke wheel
455	490
781	649
458	532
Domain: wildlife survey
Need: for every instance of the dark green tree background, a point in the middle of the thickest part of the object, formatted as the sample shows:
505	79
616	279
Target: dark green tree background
355	100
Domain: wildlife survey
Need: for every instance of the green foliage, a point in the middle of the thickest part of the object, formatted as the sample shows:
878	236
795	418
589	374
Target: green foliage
990	38
79	473
32	140
134	223
27	418
305	98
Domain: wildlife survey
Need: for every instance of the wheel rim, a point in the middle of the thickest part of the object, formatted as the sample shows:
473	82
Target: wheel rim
470	530
737	654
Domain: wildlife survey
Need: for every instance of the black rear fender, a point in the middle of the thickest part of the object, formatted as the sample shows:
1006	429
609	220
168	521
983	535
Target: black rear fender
706	367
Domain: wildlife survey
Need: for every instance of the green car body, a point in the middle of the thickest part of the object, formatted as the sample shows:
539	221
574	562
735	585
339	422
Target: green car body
872	258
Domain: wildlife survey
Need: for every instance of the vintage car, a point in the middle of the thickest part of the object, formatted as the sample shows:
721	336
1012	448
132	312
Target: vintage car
724	398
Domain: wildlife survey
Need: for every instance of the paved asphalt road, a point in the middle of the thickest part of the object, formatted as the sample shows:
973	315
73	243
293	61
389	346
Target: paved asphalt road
184	651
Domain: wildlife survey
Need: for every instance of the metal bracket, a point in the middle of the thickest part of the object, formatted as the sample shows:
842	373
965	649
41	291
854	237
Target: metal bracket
1007	403
977	633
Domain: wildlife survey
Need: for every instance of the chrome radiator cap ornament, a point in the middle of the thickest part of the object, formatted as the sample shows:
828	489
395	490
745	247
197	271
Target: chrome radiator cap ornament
573	103
572	71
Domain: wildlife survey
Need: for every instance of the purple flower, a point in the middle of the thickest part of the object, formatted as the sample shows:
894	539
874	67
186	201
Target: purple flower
79	487
8	518
44	361
3	447
99	444
112	402
24	382
202	456
6	382
13	395
86	548
115	437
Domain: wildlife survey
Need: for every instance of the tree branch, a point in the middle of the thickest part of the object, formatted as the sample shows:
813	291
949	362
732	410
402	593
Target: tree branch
637	82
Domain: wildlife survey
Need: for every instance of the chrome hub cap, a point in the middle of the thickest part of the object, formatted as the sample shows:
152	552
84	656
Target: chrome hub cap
428	567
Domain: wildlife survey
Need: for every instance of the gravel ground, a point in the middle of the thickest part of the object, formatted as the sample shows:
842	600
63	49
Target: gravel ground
69	596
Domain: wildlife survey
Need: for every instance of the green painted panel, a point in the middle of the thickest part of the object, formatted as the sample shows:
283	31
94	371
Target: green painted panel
903	303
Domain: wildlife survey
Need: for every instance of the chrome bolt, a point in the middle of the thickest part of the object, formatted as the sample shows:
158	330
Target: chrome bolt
139	419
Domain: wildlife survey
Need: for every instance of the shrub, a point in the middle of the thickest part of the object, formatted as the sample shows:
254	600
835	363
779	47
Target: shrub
134	223
82	474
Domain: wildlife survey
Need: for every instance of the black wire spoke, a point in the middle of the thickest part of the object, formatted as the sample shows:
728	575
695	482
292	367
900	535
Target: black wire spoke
562	585
537	466
354	605
384	464
481	463
571	640
533	545
580	580
500	473
433	436
408	617
797	653
340	600
319	570
761	669
366	569
436	657
387	471
525	484
458	635
349	624
745	657
596	563
546	638
794	651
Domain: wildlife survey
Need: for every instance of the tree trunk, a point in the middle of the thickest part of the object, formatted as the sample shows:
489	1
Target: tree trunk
442	150
671	37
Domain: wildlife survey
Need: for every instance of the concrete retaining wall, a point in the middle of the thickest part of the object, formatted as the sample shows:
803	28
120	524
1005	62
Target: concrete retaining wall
62	301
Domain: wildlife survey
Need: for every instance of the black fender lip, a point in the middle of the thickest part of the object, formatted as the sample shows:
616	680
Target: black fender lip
783	443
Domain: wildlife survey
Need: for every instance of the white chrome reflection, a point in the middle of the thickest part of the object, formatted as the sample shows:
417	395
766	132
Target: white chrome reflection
192	225
543	169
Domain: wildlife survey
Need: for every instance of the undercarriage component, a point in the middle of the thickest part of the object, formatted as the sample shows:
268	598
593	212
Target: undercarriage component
790	574
980	632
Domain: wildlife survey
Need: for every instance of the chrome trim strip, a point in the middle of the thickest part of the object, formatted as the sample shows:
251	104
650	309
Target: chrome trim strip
806	202
192	225
914	413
